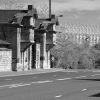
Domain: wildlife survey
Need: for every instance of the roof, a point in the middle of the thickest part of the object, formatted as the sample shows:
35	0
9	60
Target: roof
2	42
7	15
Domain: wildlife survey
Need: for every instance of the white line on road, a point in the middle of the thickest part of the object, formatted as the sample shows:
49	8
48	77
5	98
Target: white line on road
25	84
9	85
64	79
4	86
58	96
83	89
19	85
47	81
95	74
34	77
8	79
69	71
80	76
96	71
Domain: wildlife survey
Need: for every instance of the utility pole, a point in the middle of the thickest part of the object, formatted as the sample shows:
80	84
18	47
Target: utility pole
49	8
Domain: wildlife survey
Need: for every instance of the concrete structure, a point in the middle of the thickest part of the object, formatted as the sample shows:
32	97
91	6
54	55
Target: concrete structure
31	38
5	56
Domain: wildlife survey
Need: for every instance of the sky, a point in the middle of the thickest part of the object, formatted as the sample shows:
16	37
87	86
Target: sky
73	11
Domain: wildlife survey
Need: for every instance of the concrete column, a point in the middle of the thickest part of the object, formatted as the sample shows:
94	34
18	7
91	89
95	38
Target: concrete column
31	31
48	59
26	59
30	57
44	52
19	65
37	56
23	60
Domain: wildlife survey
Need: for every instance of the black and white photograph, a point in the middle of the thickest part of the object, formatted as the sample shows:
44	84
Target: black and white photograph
49	49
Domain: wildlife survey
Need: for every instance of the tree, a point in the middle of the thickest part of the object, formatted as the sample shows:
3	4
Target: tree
73	55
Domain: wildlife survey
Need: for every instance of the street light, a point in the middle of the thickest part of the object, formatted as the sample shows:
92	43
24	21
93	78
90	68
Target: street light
49	8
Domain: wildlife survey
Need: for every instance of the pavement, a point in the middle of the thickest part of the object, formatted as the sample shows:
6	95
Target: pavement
29	72
40	71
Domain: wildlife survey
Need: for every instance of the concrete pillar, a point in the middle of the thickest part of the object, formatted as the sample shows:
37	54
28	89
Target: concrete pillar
30	57
44	52
23	60
19	65
31	31
37	56
26	59
48	60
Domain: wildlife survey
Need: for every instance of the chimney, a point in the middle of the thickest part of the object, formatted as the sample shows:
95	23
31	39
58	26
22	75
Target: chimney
30	7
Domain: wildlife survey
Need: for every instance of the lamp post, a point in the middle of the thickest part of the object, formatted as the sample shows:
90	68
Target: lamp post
49	8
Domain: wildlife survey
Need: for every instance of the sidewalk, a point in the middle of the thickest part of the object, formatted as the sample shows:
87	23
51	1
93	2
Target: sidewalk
29	72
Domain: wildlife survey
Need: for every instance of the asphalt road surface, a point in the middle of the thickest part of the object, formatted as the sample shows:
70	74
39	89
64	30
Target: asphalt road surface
63	85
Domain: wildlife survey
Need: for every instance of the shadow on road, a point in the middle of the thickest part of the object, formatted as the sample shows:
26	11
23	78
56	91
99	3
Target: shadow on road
89	79
95	95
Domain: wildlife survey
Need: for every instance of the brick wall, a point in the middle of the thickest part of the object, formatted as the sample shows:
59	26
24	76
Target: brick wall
5	60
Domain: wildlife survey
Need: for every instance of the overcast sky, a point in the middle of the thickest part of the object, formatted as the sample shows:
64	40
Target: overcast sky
75	11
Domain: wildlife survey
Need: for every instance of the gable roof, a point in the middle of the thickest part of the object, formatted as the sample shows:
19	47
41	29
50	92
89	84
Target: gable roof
7	15
2	42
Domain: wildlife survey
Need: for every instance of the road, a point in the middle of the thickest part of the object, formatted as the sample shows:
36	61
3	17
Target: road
62	85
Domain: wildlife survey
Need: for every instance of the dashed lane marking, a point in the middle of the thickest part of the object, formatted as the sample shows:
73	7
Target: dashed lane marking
83	89
69	71
58	96
96	71
64	79
97	74
47	81
8	79
23	84
34	77
80	76
19	85
9	85
93	75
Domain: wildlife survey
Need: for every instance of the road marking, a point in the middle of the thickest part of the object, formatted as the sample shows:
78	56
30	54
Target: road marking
83	89
34	77
8	79
58	96
95	74
47	81
64	79
44	81
80	76
23	84
69	71
4	86
9	85
96	71
19	85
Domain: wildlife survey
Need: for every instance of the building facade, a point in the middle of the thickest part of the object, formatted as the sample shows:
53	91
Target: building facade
31	38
